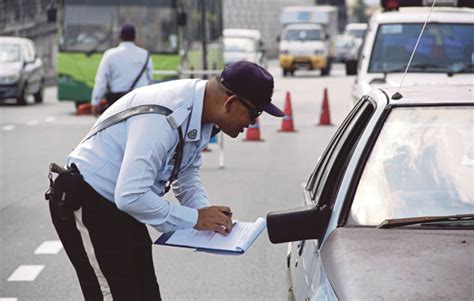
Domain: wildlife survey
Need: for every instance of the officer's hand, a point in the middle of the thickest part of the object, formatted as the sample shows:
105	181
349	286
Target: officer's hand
214	218
96	110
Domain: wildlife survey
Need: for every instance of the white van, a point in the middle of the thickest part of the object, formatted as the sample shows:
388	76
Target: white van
445	53
244	45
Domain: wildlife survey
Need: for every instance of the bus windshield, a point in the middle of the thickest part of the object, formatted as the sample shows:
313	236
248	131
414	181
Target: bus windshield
95	26
442	48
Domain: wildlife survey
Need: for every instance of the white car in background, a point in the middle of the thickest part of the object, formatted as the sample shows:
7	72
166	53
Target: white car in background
21	70
355	32
244	45
445	53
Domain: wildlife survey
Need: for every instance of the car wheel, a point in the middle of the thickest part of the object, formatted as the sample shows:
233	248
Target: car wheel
285	72
351	67
21	99
292	72
325	71
39	95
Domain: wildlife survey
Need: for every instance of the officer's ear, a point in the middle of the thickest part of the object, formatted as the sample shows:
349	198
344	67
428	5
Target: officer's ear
229	102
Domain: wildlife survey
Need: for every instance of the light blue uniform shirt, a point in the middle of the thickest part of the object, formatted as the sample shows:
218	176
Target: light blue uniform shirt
129	163
118	69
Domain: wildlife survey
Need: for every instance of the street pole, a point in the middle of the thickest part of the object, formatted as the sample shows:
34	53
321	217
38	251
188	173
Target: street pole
204	36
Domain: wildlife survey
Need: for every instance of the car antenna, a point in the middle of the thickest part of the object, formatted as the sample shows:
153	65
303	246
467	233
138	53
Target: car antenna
397	94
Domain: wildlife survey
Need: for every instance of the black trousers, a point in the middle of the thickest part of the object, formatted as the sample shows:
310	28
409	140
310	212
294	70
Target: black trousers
110	250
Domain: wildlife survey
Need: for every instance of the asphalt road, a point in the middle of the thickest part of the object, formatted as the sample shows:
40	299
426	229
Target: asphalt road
258	177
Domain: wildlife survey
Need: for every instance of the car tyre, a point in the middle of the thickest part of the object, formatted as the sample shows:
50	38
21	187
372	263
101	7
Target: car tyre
39	95
326	70
284	72
351	67
21	99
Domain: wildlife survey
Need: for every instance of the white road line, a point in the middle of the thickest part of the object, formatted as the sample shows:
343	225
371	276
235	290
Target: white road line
8	299
8	127
48	119
32	122
49	247
26	273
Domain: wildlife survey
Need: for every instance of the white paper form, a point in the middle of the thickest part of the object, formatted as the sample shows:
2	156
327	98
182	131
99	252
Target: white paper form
243	234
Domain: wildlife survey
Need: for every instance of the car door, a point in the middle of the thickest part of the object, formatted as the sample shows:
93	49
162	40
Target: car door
321	189
32	67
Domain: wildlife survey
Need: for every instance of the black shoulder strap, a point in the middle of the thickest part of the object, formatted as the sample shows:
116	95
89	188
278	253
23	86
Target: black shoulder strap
141	72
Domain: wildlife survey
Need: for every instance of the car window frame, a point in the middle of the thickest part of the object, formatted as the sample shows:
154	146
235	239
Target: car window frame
337	153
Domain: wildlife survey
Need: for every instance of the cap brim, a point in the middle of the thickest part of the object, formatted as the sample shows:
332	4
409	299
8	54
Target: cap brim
273	110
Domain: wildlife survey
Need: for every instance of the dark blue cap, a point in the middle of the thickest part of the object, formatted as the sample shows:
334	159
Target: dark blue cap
251	82
127	33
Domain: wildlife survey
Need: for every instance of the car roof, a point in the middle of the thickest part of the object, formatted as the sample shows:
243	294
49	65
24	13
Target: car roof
351	26
419	14
452	94
14	40
242	33
303	26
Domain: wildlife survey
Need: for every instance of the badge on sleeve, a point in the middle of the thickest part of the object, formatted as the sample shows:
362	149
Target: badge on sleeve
192	134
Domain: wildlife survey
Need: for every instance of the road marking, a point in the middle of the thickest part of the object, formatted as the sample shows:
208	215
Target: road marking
8	299
26	273
49	119
32	122
8	127
49	247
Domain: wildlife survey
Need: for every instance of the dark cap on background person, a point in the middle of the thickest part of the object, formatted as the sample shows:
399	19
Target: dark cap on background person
251	82
127	33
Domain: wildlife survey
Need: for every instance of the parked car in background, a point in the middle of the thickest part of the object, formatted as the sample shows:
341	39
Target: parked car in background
244	45
346	48
444	55
356	31
21	71
389	207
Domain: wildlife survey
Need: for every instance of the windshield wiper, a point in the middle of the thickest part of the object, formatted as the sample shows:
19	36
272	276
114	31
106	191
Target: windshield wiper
400	222
424	66
465	69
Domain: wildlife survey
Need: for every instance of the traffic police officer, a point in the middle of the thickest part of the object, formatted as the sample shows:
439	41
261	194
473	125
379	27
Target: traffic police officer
125	168
120	68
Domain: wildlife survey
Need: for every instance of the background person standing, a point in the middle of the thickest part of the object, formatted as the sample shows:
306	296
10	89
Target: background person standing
121	69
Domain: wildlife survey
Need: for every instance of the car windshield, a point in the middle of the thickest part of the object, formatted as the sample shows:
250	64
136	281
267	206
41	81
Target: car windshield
96	25
9	53
443	48
239	45
422	164
302	35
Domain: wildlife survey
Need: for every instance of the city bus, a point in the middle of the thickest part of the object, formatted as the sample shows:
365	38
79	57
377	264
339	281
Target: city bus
171	30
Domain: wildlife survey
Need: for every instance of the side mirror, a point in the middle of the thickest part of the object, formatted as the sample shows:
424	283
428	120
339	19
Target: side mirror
308	222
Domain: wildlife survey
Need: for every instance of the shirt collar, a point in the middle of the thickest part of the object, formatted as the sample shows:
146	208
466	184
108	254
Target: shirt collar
193	131
127	44
193	109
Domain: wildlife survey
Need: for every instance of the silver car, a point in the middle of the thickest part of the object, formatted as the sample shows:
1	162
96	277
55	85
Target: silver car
389	208
21	71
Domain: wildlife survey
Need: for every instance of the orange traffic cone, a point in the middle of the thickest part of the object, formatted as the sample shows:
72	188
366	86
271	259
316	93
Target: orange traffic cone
325	118
253	132
287	123
86	108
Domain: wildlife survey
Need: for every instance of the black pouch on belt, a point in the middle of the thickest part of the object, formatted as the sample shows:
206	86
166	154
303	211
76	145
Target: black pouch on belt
64	193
